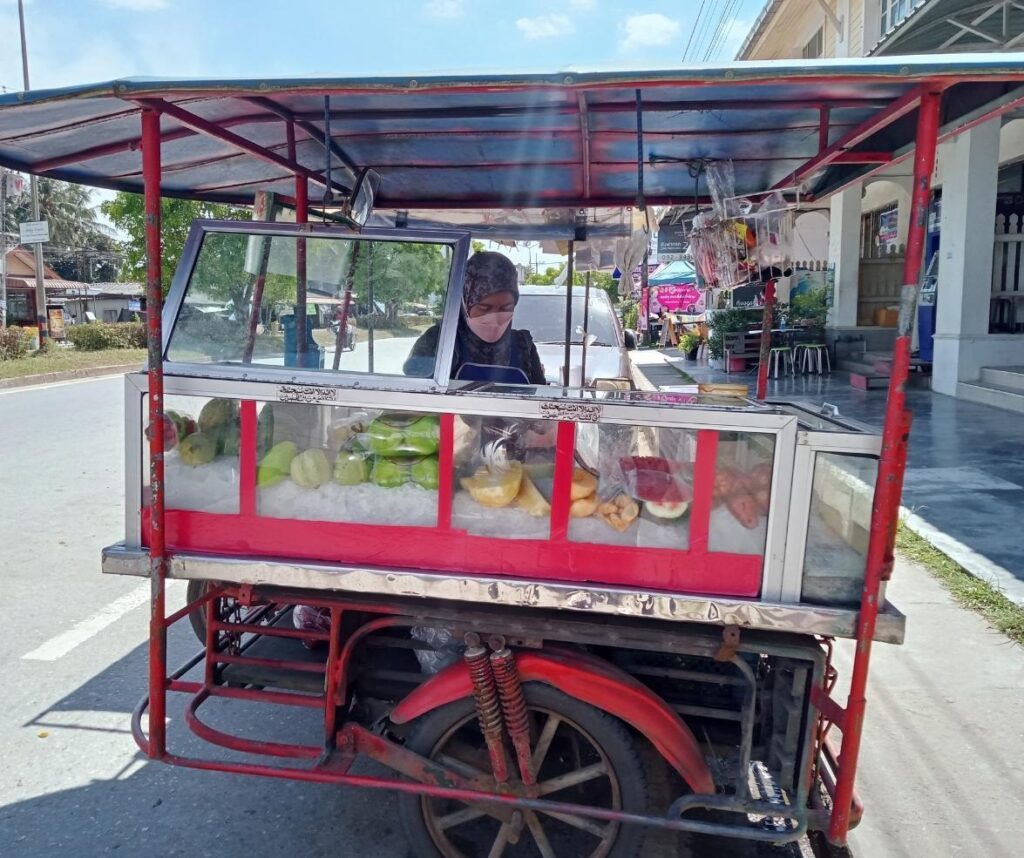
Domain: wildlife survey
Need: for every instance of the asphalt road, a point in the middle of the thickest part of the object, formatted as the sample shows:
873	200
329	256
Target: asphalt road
937	774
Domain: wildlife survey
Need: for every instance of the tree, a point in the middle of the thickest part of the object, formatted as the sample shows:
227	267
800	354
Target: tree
598	279
478	246
127	212
79	247
400	274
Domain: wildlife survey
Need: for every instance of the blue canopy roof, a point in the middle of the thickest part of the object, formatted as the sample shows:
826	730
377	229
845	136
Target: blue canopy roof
567	139
673	272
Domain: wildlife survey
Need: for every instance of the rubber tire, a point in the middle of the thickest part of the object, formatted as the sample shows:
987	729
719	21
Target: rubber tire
197	619
606	731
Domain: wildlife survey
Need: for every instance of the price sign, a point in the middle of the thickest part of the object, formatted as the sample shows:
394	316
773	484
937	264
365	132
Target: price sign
34	231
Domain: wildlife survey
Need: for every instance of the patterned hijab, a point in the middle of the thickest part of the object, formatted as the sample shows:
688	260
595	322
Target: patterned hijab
486	273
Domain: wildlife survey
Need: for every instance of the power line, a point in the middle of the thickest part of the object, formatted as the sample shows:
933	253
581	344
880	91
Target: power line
719	29
705	28
728	18
696	21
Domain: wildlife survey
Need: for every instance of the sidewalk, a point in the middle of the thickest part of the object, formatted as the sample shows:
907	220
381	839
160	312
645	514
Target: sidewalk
965	473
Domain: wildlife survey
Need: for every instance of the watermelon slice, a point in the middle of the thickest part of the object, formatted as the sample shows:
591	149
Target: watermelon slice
656	480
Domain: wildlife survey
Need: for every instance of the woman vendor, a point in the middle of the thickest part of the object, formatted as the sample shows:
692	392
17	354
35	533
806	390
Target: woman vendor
486	347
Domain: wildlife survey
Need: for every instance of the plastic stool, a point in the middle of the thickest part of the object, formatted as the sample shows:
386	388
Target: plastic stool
786	353
812	358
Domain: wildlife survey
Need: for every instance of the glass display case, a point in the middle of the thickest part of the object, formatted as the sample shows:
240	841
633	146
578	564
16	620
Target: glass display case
336	444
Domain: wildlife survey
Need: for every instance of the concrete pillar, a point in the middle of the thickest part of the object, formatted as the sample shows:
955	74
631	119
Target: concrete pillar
844	255
970	167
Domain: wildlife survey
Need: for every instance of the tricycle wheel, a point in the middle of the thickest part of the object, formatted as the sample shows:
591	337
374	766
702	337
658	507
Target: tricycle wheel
585	757
197	619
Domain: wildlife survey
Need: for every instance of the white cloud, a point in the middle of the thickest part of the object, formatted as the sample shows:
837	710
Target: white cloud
138	5
581	5
545	26
444	8
648	30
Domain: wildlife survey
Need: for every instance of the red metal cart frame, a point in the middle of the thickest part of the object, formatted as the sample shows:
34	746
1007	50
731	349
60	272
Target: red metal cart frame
925	97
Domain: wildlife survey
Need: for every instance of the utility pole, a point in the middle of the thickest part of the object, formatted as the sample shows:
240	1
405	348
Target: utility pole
3	247
41	318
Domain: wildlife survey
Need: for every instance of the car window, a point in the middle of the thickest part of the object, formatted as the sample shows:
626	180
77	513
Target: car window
544	317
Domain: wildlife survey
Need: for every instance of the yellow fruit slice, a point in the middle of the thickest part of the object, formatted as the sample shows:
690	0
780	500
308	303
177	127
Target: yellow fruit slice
494	488
584	484
583	507
531	500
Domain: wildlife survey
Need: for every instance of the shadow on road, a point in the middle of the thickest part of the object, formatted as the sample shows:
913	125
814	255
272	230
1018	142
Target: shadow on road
131	805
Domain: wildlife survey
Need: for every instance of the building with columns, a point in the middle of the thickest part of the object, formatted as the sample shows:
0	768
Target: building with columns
975	243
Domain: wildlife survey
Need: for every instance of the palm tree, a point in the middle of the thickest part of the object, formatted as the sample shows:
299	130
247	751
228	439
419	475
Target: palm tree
75	231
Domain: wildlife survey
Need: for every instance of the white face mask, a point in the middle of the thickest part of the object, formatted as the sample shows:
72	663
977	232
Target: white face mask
490	328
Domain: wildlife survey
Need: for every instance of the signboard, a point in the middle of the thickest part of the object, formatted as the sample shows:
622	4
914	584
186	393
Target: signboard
680	298
672	242
888	227
55	318
14	182
134	306
34	231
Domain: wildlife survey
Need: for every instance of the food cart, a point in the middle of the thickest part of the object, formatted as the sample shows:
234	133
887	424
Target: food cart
515	599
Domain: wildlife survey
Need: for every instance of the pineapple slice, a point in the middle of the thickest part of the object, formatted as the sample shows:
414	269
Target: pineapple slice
530	500
494	487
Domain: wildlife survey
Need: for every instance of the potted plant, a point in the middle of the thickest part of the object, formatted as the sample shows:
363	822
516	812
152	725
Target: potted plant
689	343
726	322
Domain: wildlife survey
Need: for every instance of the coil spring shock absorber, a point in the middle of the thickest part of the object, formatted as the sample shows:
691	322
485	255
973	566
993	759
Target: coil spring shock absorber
488	707
513	706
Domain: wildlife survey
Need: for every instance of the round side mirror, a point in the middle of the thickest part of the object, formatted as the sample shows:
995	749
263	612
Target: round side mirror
630	339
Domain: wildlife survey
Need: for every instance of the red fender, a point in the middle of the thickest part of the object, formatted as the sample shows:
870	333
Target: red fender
593	681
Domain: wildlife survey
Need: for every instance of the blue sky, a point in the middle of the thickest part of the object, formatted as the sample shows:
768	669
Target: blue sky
81	41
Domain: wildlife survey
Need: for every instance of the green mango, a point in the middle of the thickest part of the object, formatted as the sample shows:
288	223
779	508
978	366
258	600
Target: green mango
228	440
384	438
424	435
265	430
387	474
425	472
277	464
311	469
217	412
351	468
199	448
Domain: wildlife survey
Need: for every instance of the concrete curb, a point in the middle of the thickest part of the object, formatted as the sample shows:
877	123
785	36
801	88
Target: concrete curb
975	564
66	375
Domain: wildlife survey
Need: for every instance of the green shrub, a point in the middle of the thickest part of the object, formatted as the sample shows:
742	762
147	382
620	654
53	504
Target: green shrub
13	343
630	315
99	336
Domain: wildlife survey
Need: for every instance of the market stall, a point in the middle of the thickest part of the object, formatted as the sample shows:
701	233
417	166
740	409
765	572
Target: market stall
457	578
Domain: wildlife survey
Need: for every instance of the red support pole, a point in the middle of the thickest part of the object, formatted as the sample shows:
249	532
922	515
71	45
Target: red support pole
157	551
889	485
301	216
766	338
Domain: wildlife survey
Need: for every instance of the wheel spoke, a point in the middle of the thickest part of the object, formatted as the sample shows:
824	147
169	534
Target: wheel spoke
570	779
459	817
539	836
501	841
544	742
462	767
581	822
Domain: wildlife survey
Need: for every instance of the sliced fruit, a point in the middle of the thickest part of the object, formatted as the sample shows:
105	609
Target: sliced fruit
530	500
584	484
667	510
494	487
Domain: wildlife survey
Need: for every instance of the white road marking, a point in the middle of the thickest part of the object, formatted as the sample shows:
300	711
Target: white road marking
59	646
51	384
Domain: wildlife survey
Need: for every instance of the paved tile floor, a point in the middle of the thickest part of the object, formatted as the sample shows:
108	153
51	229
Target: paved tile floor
965	477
